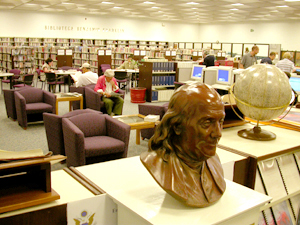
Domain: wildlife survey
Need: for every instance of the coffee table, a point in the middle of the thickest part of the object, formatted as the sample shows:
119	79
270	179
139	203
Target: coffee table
136	122
71	97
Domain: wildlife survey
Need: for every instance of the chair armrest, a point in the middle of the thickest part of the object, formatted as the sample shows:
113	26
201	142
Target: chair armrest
118	130
50	99
122	92
74	143
20	102
93	99
151	109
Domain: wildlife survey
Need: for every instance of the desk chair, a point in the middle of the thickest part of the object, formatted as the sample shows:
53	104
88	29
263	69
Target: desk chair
122	78
52	81
27	81
13	79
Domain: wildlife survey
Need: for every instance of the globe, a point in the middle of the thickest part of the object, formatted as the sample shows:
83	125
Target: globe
262	93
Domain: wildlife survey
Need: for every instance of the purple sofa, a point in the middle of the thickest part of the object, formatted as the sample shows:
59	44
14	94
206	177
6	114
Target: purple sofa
92	137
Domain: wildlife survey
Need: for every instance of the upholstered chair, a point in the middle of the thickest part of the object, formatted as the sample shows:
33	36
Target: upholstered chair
93	99
31	103
81	90
145	110
92	137
10	105
53	128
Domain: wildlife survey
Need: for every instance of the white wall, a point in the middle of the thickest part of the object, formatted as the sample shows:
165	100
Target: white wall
285	33
32	24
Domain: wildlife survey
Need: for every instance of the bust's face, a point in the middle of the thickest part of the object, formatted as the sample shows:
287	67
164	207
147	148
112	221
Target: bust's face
202	133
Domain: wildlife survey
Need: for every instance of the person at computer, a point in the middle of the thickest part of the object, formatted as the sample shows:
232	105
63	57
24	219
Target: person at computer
47	66
129	64
86	77
286	65
181	154
209	60
268	60
249	59
107	87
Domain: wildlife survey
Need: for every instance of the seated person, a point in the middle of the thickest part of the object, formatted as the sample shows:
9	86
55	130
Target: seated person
47	66
129	64
107	86
286	65
86	77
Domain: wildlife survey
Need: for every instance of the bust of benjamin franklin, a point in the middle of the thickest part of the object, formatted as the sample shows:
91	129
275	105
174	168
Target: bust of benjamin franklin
182	152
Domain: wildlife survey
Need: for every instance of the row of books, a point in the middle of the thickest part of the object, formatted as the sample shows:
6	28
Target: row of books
163	80
162	95
163	67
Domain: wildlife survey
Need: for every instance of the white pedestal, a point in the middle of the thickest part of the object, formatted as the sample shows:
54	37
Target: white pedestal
141	200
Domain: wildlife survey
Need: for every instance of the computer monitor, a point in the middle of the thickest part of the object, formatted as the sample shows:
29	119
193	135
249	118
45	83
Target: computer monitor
295	83
224	75
197	73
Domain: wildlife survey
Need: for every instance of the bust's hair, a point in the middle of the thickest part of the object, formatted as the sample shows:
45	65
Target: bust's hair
184	104
254	47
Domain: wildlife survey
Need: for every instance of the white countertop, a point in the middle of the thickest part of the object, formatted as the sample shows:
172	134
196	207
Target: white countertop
285	139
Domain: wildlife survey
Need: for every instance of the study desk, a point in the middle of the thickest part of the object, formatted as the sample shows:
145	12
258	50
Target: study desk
10	75
142	201
68	75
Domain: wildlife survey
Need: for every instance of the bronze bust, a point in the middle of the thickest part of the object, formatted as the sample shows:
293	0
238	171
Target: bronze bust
182	152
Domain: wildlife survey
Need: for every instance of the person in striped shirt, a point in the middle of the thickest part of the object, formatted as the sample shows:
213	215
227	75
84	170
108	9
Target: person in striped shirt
286	65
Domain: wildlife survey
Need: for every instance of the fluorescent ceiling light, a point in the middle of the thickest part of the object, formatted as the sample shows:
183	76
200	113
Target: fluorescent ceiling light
155	7
282	6
237	4
194	8
233	9
192	3
117	7
292	0
107	3
146	2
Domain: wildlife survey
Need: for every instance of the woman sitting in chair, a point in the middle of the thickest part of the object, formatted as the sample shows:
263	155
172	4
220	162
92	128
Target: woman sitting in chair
47	66
107	86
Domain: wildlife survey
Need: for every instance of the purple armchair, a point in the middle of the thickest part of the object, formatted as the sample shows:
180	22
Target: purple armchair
31	103
154	110
81	90
92	137
93	99
9	98
53	128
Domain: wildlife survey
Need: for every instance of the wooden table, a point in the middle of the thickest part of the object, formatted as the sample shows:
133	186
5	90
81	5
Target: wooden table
71	97
136	122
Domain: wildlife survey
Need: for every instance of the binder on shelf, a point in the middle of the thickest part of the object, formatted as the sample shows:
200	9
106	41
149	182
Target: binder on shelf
272	179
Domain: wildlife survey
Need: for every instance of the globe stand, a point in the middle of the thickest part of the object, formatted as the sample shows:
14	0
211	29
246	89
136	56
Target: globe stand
257	134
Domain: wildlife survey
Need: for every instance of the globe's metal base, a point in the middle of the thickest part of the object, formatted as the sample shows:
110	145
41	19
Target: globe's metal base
257	134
